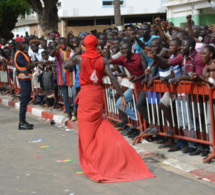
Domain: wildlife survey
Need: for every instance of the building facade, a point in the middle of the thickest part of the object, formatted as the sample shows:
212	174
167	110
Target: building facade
83	15
201	12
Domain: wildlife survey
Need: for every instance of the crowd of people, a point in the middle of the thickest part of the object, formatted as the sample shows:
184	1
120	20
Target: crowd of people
142	53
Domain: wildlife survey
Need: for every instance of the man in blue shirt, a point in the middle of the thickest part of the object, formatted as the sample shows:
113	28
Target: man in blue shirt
146	40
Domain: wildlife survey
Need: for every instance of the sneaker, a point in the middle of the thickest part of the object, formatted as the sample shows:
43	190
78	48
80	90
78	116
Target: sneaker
188	150
198	151
205	152
153	131
133	135
128	132
147	130
174	149
123	131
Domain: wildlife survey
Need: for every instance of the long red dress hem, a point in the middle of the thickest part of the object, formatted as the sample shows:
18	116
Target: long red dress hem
105	156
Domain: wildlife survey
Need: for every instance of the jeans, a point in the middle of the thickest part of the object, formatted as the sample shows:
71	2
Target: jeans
25	85
75	91
185	110
65	93
128	111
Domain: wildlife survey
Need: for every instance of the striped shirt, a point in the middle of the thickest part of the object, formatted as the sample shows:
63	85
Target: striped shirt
178	69
64	77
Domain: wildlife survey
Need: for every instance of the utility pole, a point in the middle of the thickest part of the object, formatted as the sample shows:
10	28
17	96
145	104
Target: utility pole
117	13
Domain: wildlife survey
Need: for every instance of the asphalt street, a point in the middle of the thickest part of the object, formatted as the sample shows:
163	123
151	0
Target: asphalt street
44	161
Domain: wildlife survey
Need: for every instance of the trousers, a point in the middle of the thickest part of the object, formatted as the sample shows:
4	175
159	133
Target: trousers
25	85
128	111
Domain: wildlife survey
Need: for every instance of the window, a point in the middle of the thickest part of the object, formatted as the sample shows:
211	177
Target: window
81	22
104	21
110	3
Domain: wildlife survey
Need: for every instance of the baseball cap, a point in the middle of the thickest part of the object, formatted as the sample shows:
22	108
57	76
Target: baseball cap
20	39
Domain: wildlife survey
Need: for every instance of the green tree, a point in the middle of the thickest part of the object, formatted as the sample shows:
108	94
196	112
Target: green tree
10	10
47	13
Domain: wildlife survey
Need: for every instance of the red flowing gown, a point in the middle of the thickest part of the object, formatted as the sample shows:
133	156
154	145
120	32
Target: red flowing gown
105	156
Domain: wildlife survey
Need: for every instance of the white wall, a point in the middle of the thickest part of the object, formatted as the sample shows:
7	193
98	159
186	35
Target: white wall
21	30
81	8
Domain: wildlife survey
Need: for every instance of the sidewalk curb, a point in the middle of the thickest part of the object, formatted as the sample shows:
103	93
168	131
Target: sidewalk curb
42	113
200	173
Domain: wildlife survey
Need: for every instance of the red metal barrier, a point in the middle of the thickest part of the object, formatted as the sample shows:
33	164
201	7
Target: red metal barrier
111	110
192	98
3	76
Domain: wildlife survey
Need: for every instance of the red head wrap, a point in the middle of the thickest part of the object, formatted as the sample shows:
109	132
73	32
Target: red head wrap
90	42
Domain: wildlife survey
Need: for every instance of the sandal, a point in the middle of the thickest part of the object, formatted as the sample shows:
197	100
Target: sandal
174	149
147	130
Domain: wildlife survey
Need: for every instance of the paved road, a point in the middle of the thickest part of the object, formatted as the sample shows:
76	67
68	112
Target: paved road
23	174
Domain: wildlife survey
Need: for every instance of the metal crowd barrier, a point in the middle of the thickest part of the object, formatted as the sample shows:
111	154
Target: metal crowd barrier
193	102
8	78
3	76
111	110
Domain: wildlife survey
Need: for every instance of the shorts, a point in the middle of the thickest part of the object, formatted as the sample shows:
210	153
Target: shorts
35	81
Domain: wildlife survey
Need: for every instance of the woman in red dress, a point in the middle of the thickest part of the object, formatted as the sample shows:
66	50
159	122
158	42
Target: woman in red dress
105	156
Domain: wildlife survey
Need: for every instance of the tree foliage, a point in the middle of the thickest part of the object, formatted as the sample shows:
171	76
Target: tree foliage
10	10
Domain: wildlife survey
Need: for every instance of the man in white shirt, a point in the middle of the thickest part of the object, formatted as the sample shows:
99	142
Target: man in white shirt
36	56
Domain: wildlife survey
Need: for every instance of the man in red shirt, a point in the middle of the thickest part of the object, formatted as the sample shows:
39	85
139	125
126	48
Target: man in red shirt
135	63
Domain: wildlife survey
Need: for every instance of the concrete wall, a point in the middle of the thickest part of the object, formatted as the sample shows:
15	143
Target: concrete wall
21	30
